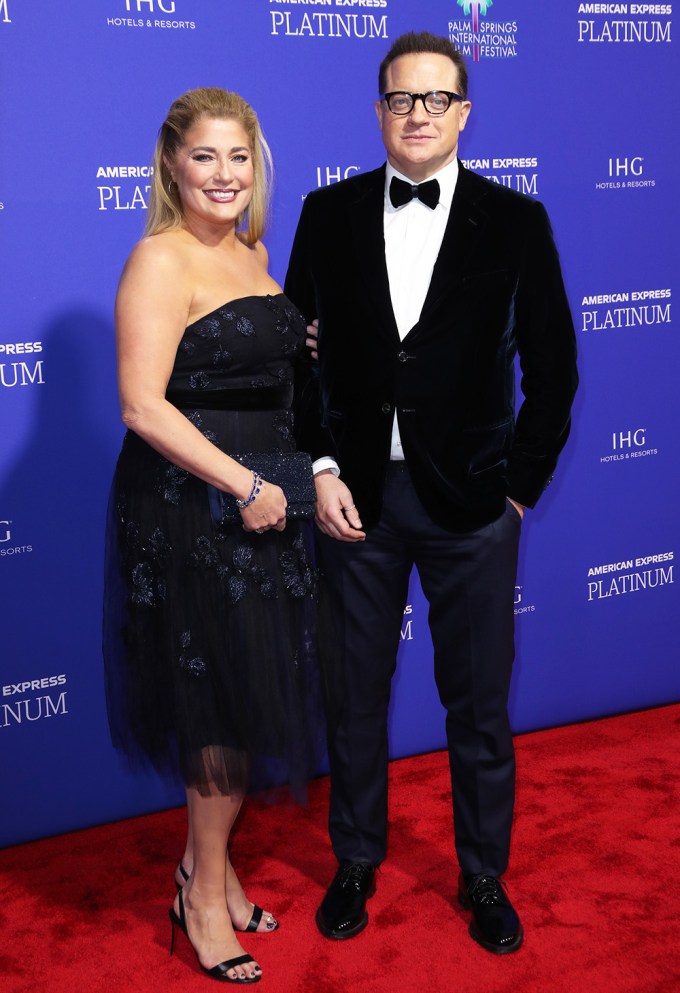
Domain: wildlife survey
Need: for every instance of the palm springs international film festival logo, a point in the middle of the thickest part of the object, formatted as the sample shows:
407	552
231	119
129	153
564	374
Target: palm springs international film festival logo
481	39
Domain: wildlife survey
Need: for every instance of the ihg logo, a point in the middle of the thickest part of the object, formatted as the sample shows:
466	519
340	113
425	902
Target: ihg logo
148	6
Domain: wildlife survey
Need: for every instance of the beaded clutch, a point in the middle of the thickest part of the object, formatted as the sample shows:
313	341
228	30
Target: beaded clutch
292	471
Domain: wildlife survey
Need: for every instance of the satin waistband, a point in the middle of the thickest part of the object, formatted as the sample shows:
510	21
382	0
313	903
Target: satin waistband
250	398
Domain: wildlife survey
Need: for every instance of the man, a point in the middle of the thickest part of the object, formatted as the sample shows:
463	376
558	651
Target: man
426	279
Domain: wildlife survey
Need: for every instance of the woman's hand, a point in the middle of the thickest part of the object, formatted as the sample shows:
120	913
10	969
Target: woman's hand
267	511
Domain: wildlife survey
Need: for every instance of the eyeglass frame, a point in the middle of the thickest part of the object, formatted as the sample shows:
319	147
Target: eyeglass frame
453	98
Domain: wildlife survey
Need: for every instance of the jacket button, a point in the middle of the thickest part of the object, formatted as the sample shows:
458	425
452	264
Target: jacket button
403	356
386	408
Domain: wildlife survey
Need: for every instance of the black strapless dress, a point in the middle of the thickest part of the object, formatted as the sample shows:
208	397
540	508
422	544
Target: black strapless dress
210	644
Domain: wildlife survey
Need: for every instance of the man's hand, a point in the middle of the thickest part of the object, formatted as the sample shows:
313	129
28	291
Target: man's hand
336	514
312	335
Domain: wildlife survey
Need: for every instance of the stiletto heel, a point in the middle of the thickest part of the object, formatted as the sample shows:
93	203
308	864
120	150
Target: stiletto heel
271	923
172	931
218	971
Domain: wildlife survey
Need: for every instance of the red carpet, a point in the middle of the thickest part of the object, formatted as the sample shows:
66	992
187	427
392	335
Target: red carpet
595	874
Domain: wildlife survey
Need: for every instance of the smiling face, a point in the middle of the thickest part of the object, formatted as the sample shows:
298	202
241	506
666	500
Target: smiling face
418	145
214	172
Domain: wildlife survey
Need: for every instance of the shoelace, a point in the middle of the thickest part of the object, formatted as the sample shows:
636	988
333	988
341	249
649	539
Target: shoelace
353	875
487	890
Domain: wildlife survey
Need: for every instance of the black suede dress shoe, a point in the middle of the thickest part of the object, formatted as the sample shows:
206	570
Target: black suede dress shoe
495	924
342	913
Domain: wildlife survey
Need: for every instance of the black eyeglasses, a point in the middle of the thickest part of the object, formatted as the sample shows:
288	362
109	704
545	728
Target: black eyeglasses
435	102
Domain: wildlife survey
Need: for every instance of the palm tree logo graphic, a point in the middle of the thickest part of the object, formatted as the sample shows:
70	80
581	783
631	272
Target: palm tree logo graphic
475	7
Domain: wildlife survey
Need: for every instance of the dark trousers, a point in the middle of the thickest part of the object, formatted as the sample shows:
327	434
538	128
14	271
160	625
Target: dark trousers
468	580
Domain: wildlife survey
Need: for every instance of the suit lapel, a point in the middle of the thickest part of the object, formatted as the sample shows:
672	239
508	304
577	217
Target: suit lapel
366	218
464	230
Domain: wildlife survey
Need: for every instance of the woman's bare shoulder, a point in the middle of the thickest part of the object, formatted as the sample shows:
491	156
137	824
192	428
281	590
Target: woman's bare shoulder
167	249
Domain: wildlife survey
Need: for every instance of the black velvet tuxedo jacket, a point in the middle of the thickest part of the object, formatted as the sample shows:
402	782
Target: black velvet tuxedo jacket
496	290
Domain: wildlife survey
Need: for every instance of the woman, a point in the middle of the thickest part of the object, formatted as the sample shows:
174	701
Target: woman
209	626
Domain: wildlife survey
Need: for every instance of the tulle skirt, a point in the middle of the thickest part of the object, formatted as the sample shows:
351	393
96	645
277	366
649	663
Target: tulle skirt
214	668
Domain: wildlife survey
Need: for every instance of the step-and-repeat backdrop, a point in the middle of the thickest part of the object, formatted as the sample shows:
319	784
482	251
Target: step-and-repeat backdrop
573	103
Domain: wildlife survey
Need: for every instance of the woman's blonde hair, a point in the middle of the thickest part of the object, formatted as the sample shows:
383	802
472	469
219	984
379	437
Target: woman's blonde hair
165	208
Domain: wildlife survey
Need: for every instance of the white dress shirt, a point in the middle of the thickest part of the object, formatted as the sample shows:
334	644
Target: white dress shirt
413	237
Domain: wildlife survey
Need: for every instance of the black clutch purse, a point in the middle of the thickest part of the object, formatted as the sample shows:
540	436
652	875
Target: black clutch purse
292	471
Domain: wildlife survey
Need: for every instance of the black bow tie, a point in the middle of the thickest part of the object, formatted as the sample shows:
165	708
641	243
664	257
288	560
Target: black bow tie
401	192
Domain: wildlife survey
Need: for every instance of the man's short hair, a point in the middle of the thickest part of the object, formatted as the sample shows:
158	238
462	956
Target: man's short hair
422	42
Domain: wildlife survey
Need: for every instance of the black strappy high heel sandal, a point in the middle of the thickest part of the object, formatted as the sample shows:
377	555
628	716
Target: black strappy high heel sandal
220	970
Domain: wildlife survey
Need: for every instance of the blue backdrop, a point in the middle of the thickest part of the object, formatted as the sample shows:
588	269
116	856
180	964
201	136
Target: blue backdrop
574	103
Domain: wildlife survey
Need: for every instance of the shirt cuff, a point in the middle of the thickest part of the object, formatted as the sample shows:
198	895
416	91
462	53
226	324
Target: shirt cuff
326	463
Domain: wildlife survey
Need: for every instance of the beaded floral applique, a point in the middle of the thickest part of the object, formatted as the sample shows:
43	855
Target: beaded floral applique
195	666
299	577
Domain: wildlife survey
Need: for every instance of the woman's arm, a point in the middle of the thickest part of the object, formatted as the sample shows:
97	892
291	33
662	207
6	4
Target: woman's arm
152	308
